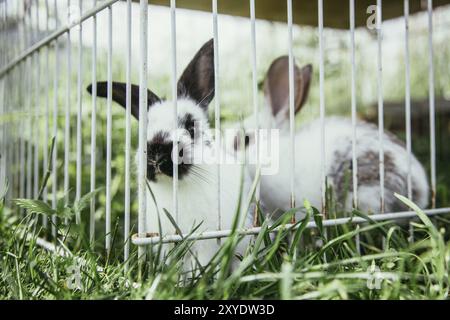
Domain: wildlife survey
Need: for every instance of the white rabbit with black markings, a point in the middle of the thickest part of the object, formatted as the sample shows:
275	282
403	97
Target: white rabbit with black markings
197	193
275	189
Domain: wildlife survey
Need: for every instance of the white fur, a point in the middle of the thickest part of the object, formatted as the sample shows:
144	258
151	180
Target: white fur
275	189
160	116
197	197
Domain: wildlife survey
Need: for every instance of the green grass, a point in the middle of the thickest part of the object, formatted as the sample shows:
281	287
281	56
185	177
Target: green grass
288	266
291	265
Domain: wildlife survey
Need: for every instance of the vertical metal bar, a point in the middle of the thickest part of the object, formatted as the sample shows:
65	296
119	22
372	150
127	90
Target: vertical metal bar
29	153
5	36
6	129
354	111
6	154
2	110
3	145
46	112
2	102
322	116
354	116
7	99
37	99
93	128
108	136
407	96
22	109
22	105
55	127
431	102
20	41
3	150
79	113
255	101
18	124
15	114
4	132
67	111
13	145
10	159
22	141
173	38
14	129
322	105
142	153
217	112
380	101
291	104
17	47
28	114
2	34
8	107
127	139
408	108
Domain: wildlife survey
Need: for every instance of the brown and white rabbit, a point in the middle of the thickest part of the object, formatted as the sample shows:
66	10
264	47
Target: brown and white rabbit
275	189
197	193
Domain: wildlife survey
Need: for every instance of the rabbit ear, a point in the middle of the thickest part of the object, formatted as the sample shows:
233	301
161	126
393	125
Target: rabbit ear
197	80
119	90
276	86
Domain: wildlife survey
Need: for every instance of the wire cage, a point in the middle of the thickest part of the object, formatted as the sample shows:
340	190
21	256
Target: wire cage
30	108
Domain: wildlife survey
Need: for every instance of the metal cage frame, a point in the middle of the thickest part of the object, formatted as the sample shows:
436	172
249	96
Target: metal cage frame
20	161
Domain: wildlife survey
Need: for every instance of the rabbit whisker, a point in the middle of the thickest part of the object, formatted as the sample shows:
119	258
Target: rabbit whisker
205	97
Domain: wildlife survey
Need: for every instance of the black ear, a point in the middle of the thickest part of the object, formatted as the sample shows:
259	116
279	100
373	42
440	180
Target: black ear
197	80
119	90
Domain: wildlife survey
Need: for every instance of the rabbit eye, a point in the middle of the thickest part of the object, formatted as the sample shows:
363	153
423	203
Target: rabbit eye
187	122
191	131
189	126
247	140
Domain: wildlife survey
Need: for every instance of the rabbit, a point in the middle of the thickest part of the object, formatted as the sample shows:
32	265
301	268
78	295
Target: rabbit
197	193
275	189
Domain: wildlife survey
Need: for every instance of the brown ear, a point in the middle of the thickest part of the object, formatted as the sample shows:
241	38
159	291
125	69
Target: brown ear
303	83
276	86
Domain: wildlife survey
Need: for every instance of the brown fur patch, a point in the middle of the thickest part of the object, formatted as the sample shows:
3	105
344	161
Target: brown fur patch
368	175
